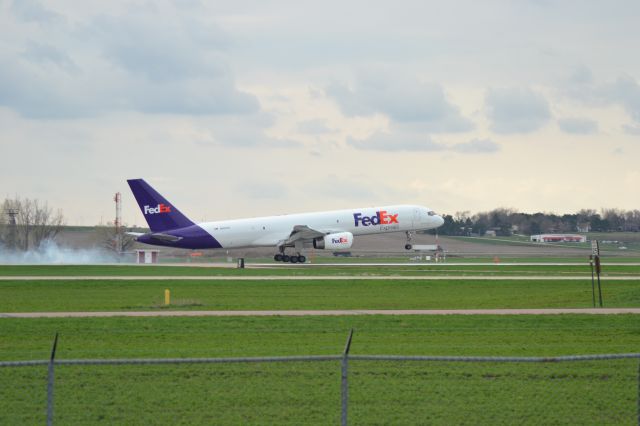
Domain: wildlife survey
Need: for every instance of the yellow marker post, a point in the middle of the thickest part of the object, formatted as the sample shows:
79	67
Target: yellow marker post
167	297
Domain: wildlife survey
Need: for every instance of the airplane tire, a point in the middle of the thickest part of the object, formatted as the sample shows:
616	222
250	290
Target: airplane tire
286	257
302	259
407	246
277	257
294	259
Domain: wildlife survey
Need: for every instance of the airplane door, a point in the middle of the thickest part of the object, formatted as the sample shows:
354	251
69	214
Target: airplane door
415	220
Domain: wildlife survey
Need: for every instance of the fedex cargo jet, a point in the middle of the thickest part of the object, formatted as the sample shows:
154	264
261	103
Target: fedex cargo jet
329	230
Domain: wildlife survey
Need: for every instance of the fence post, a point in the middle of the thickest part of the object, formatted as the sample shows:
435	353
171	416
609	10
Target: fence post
50	382
345	381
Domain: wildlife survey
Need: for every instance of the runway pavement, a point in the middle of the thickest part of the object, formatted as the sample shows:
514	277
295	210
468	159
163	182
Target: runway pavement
315	277
300	313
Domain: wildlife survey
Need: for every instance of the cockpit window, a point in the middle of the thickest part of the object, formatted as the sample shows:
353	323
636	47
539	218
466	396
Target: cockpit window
431	213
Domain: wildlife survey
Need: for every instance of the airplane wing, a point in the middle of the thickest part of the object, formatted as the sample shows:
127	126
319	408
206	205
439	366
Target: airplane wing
303	232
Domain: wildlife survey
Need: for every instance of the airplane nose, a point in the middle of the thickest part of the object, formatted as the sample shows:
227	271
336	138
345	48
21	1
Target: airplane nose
440	221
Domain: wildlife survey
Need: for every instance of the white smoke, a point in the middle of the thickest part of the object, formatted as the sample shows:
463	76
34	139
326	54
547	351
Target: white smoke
51	253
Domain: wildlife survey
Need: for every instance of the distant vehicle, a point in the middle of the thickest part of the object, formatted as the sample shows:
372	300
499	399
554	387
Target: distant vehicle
328	230
342	254
427	247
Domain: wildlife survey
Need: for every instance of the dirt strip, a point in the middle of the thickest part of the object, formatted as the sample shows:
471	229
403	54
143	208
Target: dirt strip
312	277
587	311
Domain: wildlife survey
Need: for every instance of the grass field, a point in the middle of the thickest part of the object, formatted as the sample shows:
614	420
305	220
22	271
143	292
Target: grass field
603	392
630	240
294	393
257	336
302	270
111	295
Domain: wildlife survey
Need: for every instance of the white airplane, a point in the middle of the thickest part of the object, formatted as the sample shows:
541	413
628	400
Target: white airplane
329	230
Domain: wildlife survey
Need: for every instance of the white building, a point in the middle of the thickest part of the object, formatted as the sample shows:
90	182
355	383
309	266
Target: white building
558	238
147	256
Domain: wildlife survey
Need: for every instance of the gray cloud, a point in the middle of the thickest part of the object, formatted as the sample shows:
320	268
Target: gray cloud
579	126
194	97
476	146
626	92
631	130
314	127
516	110
623	91
578	84
168	49
390	142
45	54
404	100
43	91
155	61
33	11
419	143
241	132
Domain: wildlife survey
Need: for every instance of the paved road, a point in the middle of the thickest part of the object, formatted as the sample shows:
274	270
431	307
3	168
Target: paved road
589	311
314	277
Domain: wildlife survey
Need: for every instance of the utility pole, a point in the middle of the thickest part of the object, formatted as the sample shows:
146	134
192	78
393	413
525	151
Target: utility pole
595	261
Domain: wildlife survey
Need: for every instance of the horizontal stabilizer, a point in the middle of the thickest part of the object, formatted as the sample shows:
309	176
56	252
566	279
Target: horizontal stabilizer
165	237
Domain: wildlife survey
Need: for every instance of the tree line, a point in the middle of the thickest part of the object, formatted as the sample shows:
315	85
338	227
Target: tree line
26	223
505	222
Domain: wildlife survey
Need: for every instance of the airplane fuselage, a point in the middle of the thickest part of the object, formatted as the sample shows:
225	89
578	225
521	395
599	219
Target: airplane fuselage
273	230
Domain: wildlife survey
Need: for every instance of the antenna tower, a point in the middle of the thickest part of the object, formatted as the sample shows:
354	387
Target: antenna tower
12	212
118	223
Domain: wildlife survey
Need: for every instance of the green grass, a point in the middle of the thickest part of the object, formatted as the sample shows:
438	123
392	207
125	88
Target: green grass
296	393
313	270
106	295
262	336
544	259
303	393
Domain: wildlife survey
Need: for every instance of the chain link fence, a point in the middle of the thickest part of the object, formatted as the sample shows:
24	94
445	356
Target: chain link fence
355	389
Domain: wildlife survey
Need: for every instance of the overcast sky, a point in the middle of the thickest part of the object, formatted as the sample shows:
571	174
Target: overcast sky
247	108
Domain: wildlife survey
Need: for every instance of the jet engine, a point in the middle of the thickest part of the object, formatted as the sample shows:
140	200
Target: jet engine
339	240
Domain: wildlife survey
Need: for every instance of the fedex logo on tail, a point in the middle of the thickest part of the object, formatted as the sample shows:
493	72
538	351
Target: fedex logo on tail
380	218
160	208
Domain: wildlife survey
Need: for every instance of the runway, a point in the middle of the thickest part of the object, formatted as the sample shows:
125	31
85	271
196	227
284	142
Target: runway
315	278
301	313
280	265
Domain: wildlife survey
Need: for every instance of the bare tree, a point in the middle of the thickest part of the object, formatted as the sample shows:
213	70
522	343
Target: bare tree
34	222
114	240
46	223
3	224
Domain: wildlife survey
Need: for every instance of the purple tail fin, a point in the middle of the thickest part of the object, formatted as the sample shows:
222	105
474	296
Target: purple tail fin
159	213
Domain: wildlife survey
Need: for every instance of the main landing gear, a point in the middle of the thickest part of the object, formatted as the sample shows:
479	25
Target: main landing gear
408	246
281	257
